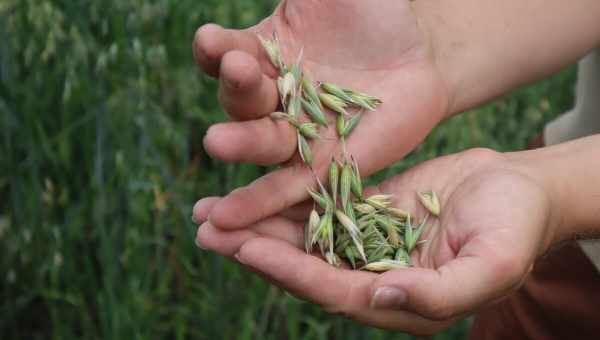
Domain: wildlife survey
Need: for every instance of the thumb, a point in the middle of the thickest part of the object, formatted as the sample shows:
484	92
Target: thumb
456	288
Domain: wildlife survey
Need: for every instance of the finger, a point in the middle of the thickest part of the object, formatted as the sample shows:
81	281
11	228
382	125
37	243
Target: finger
245	91
212	42
202	208
228	243
262	142
268	195
307	276
264	197
338	291
456	288
296	213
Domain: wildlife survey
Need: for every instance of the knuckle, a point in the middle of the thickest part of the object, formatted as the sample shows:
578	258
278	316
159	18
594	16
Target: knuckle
344	306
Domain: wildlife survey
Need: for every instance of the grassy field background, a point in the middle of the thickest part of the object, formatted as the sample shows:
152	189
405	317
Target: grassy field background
102	114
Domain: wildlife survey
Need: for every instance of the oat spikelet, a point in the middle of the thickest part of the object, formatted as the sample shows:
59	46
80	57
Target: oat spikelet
334	177
431	202
304	150
356	181
333	103
354	232
384	265
311	229
345	185
314	111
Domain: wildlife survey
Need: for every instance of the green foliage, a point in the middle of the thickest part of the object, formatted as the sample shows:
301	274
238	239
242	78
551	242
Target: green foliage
102	114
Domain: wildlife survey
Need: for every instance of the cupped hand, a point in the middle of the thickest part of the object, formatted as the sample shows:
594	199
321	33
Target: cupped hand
496	220
378	48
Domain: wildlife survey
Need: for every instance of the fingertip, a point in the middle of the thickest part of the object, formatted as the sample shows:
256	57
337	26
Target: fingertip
240	71
230	213
245	92
202	234
226	243
212	42
215	141
208	47
227	142
246	253
202	209
203	39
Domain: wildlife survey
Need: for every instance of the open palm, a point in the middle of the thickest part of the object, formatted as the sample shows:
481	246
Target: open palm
379	49
494	223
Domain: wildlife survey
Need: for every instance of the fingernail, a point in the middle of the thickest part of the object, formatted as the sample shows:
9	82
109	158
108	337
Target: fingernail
388	298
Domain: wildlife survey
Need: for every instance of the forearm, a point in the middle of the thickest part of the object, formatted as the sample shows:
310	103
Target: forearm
569	173
485	48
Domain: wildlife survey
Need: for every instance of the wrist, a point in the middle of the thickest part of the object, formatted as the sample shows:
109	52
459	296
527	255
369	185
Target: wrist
529	164
430	18
566	172
423	11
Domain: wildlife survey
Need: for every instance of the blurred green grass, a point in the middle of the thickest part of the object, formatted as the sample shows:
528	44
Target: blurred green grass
102	113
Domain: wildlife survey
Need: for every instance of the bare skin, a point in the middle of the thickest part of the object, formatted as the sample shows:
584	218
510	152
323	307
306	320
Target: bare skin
381	51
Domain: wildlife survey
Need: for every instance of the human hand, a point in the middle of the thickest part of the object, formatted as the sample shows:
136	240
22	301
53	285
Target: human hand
496	220
377	48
